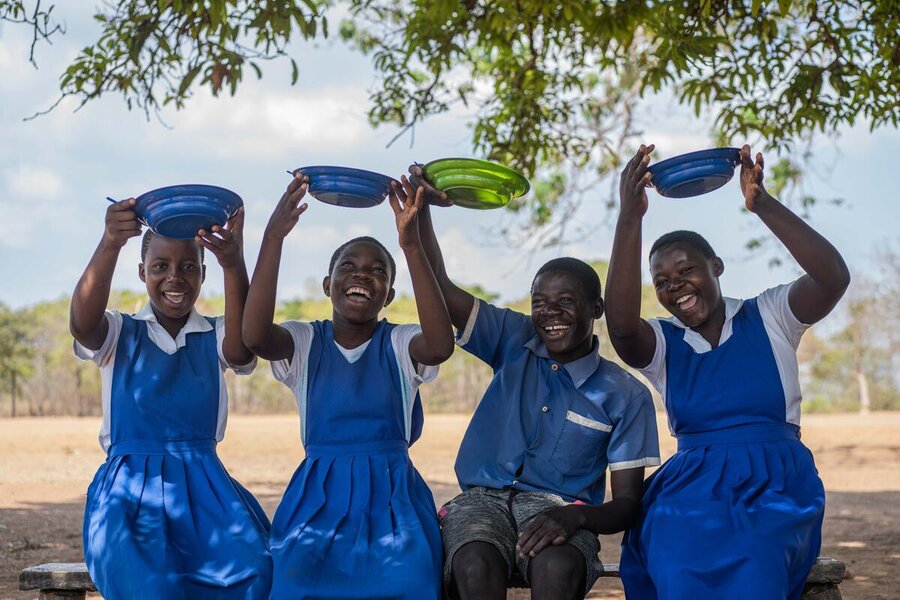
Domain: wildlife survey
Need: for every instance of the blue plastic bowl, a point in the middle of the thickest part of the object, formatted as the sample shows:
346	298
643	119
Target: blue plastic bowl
694	173
343	186
180	211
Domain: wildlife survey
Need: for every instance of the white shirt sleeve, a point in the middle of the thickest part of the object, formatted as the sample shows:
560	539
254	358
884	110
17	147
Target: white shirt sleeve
292	372
223	363
655	372
776	313
107	351
410	377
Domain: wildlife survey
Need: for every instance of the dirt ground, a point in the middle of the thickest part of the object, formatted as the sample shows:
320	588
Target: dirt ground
47	463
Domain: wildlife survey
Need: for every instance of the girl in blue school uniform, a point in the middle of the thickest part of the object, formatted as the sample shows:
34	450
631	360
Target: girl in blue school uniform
357	520
737	511
163	518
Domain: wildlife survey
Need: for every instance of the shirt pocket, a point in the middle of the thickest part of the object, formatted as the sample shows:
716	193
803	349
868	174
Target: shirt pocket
580	444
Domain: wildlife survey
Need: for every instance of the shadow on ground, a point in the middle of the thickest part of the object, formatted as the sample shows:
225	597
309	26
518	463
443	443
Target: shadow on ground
861	528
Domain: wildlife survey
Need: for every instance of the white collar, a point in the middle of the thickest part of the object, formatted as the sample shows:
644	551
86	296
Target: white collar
697	341
195	323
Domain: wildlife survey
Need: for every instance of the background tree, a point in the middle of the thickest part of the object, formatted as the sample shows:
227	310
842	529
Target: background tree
15	352
553	86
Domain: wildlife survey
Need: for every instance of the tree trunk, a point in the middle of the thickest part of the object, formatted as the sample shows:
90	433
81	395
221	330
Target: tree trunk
865	403
12	390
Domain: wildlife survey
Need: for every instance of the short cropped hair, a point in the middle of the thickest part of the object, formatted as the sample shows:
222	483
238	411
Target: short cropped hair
370	240
582	272
148	237
691	239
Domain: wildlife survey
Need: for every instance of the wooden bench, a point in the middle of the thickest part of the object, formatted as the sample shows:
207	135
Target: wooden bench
71	580
821	584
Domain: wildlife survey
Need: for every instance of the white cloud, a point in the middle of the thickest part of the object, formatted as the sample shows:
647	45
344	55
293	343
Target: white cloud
34	203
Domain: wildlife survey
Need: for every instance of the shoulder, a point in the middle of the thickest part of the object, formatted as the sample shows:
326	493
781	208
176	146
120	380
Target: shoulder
615	377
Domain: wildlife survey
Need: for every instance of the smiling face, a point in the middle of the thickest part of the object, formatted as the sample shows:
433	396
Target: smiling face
360	282
173	272
687	285
563	315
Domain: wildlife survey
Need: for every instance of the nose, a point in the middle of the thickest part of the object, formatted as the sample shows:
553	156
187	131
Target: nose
550	308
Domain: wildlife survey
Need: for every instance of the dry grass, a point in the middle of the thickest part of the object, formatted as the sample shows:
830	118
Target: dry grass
46	464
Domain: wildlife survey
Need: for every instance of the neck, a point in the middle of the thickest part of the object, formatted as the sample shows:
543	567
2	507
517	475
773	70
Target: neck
711	330
172	326
350	334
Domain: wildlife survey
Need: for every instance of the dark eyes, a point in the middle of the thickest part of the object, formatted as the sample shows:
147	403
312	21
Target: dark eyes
379	270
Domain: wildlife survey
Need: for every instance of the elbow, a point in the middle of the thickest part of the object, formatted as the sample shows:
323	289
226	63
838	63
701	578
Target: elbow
253	340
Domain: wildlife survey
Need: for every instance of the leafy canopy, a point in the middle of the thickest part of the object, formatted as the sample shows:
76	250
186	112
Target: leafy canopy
553	85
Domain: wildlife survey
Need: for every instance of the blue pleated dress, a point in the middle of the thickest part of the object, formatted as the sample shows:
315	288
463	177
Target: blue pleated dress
357	521
163	518
737	511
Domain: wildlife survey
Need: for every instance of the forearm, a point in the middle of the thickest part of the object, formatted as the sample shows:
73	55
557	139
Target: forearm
91	297
815	255
458	301
623	281
258	322
236	286
437	331
616	515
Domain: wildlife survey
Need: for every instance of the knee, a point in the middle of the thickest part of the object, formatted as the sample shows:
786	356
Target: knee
559	566
478	562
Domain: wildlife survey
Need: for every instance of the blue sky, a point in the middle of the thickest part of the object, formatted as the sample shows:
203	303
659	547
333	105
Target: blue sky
56	170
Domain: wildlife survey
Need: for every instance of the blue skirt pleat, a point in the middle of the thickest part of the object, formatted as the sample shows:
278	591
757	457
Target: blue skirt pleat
376	537
740	520
175	527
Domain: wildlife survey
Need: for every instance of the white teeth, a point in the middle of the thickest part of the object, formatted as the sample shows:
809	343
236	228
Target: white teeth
175	297
684	299
359	290
556	327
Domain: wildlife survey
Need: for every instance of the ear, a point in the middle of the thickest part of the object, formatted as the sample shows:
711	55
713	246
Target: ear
203	274
598	308
326	285
718	266
141	273
390	297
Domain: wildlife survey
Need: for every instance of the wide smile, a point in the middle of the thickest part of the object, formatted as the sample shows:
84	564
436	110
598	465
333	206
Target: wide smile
358	294
175	298
687	302
555	330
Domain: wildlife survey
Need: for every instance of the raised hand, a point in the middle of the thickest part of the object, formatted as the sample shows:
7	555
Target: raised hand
634	181
551	527
288	210
226	243
752	180
432	195
406	204
121	224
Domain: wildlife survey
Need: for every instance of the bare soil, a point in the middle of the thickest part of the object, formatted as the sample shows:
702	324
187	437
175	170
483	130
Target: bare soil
46	464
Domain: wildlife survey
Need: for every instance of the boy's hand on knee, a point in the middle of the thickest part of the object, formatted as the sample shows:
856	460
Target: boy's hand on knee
552	527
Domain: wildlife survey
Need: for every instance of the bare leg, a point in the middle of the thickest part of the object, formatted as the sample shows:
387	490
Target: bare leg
557	573
479	572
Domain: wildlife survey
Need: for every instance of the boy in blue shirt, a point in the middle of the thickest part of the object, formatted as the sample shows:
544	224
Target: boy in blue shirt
532	465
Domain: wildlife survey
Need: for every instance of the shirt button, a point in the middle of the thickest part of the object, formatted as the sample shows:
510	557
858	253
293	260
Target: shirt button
555	367
545	409
515	482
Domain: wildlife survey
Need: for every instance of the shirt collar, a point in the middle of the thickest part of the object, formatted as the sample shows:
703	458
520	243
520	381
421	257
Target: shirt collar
196	323
579	369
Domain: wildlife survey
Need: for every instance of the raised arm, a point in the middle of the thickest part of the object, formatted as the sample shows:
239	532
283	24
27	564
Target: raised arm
227	245
435	344
459	301
631	336
91	295
260	333
827	277
557	525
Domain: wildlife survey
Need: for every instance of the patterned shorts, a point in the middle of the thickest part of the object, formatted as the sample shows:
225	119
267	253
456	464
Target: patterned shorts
497	516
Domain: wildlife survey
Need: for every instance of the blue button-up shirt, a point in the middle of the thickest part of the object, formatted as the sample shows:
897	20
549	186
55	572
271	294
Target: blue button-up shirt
550	427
